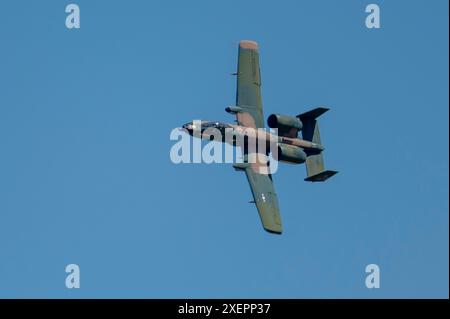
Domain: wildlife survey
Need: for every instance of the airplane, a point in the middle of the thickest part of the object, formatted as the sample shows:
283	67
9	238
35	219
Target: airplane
290	149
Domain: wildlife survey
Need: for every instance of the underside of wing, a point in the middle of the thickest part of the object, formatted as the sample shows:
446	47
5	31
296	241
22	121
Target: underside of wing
266	200
249	113
248	95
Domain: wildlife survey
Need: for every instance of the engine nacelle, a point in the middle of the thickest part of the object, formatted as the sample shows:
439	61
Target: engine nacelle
286	125
291	154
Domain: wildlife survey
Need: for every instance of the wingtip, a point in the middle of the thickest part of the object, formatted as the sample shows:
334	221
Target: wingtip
248	44
274	231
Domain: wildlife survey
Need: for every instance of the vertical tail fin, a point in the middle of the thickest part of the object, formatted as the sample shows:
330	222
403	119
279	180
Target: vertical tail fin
315	167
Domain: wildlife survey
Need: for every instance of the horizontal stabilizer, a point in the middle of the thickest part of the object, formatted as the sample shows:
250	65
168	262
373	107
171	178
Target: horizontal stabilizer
320	177
313	114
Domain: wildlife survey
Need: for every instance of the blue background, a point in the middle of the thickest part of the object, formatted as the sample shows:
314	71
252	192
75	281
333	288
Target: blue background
86	177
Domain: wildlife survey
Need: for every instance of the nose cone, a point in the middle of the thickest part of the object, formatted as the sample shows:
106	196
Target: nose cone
188	128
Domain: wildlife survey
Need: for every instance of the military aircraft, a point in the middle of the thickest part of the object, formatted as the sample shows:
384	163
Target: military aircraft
291	149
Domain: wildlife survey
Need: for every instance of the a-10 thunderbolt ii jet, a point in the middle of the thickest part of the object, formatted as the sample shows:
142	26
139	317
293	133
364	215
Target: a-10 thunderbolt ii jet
249	117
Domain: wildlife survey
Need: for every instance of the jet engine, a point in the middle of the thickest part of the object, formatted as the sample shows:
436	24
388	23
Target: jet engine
291	154
286	125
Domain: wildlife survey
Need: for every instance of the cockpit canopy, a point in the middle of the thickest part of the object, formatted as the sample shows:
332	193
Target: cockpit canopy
218	125
205	125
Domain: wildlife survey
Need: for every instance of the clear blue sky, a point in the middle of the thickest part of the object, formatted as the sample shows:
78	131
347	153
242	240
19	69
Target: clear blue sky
86	178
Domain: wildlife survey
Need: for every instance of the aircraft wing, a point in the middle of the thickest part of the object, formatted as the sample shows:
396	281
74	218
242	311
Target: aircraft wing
266	200
248	95
248	99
